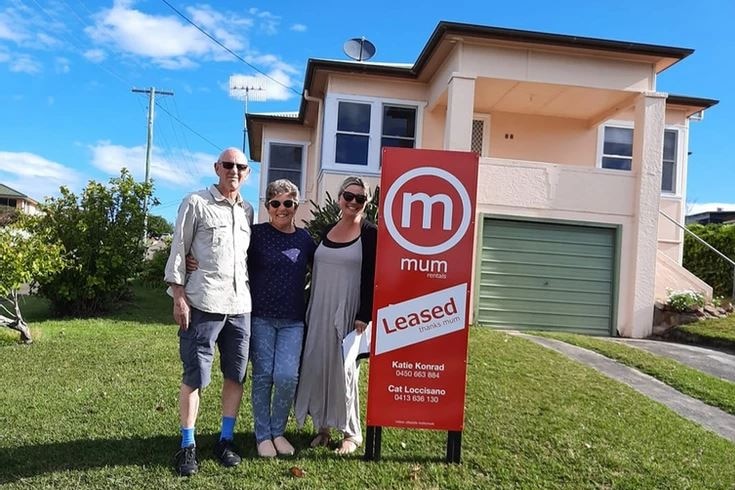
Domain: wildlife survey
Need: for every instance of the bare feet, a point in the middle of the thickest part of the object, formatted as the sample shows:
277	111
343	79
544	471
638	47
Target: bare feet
348	445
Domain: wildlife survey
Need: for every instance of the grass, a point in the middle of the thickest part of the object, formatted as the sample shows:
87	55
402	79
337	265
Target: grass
709	389
718	332
93	404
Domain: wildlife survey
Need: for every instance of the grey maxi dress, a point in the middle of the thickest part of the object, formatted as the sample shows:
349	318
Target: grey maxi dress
328	390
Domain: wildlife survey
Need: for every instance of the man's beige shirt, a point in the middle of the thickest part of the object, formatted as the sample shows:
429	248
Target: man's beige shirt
216	232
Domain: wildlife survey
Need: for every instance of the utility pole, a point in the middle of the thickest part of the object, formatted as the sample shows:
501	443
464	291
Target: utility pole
149	146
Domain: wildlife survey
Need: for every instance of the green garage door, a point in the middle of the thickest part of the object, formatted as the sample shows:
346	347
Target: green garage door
546	276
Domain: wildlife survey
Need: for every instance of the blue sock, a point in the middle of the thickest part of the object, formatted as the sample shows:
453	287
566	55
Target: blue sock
187	437
228	428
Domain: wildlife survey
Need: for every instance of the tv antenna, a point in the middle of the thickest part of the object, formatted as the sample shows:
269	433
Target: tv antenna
247	88
359	49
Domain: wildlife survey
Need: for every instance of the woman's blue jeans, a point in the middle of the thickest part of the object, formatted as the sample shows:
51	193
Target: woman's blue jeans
275	351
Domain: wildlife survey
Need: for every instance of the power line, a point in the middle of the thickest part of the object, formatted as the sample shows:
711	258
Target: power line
200	29
187	127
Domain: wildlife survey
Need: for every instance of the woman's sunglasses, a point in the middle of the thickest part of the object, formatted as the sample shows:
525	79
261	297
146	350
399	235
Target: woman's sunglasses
359	198
275	203
241	167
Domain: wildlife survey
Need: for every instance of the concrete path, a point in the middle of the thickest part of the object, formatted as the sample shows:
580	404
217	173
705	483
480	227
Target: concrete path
710	361
712	418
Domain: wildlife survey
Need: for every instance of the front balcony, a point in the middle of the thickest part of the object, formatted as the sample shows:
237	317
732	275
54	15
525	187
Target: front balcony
550	188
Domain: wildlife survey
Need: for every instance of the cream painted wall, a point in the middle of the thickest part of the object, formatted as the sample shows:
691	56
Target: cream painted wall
377	87
535	65
542	139
670	236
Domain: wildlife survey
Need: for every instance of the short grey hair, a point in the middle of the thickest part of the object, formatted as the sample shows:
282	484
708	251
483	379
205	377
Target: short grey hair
355	181
281	186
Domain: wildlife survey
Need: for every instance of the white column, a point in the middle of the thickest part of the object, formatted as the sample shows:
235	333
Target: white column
648	137
460	107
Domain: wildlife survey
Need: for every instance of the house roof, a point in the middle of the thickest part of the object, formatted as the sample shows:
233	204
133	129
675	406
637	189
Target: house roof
661	56
6	191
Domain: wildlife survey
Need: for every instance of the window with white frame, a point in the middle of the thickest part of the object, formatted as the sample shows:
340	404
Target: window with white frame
352	139
668	170
617	148
617	153
286	161
357	128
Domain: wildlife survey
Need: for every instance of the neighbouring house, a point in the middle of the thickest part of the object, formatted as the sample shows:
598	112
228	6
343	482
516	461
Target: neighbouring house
14	199
719	216
579	156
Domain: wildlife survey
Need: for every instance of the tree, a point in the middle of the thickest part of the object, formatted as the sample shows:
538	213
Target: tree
101	233
159	226
25	258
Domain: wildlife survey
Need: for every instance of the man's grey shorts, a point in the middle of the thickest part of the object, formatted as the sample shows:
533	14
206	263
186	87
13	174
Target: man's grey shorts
196	346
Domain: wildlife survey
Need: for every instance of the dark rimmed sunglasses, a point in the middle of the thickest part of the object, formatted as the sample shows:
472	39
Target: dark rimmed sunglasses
241	167
275	203
359	198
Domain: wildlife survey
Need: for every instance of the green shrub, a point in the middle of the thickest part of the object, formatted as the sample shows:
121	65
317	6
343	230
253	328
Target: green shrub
685	301
153	270
101	232
707	265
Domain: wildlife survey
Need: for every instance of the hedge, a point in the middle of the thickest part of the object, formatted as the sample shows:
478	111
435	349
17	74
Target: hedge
705	263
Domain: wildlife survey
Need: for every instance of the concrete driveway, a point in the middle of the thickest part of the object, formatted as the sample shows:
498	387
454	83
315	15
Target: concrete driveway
714	419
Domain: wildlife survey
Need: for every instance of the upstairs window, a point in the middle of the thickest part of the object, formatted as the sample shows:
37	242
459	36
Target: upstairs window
353	133
355	130
617	154
399	126
617	148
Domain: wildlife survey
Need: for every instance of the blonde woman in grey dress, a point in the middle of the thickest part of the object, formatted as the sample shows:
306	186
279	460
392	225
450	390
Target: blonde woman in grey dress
341	301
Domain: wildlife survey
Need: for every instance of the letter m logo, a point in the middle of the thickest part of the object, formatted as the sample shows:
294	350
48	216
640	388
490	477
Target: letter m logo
427	207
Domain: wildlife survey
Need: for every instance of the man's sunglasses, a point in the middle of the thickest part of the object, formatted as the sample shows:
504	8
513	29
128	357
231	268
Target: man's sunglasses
275	203
359	198
241	167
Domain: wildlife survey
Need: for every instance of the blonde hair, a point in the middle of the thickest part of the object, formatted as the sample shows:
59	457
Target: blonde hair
281	186
355	181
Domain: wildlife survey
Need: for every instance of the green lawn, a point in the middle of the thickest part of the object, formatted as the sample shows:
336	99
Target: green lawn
718	332
93	404
710	389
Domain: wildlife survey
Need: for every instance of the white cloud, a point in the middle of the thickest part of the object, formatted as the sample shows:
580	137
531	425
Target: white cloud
34	175
298	28
7	30
696	208
180	168
95	55
165	39
267	22
24	64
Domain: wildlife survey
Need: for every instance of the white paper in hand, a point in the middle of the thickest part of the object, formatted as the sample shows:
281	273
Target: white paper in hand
356	346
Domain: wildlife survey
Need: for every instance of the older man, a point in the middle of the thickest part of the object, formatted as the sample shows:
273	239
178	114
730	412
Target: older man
212	305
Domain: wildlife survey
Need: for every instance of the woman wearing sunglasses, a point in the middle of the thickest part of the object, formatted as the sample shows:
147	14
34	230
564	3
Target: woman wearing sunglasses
341	301
278	258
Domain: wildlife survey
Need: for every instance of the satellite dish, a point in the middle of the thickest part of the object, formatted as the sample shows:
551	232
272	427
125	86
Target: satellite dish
359	49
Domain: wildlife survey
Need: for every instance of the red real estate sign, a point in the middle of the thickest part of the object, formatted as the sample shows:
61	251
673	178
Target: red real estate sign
418	364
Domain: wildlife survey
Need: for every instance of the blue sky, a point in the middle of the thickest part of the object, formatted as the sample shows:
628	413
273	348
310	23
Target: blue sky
67	68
